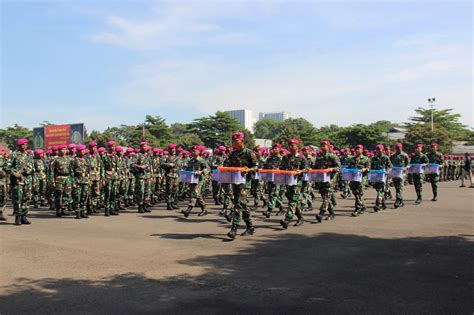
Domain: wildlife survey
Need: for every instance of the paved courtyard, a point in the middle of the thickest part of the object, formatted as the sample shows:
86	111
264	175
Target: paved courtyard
416	259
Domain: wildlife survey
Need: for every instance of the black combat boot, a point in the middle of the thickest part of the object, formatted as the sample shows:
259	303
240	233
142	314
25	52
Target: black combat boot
107	212
18	220
284	223
319	216
168	206
59	213
376	208
78	215
355	213
233	232
84	215
267	213
435	197
140	209
174	206
331	215
418	200
24	220
146	209
383	205
120	206
300	221
250	230
228	216
282	211
2	218
265	203
203	211
187	211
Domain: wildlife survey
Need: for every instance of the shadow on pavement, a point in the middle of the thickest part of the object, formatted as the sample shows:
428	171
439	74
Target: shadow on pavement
327	273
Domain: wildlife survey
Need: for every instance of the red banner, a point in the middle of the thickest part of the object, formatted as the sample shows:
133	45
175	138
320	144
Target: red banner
56	135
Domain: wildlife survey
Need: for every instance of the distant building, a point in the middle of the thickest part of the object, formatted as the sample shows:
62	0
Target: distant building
397	134
266	143
278	116
459	148
244	117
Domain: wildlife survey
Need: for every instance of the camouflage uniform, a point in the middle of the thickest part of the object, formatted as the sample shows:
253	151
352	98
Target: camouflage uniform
81	169
344	184
61	173
306	186
399	160
274	200
39	182
241	158
418	179
96	176
122	181
357	188
110	163
216	161
380	162
171	166
4	166
197	164
435	158
325	161
256	188
139	168
293	162
21	187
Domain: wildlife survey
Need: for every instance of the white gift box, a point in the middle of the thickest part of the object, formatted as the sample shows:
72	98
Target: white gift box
432	169
266	176
351	174
320	177
215	175
416	169
231	177
188	177
377	176
285	179
396	172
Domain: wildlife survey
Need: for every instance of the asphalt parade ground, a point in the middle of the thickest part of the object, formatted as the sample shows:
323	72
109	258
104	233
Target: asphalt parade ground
416	259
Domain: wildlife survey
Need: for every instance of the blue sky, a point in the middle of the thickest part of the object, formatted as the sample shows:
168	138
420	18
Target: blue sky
107	63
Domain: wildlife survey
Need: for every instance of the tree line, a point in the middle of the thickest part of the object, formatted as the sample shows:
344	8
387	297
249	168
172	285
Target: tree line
217	129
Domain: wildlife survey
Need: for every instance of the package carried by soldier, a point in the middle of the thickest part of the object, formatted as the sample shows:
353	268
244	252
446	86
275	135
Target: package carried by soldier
188	177
432	169
266	175
416	169
351	174
231	175
377	176
319	175
285	177
396	172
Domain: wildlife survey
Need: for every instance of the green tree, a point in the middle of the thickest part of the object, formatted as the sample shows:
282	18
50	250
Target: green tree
215	129
443	118
10	135
421	133
187	140
367	135
158	128
267	128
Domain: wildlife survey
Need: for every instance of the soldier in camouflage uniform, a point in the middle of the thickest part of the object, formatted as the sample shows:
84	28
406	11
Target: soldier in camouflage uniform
399	159
293	162
156	176
418	179
110	163
4	166
61	173
96	178
245	158
39	179
361	162
256	188
217	160
344	184
139	169
81	170
21	169
435	157
273	162
388	192
306	186
171	167
200	168
129	196
380	162
329	161
121	178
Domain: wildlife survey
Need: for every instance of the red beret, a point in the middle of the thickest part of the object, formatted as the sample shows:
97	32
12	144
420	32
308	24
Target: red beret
92	144
324	142
71	146
359	146
171	146
111	143
294	141
81	147
21	141
238	135
118	149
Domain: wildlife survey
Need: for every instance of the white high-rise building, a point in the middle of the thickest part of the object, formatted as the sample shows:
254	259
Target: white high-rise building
278	116
244	117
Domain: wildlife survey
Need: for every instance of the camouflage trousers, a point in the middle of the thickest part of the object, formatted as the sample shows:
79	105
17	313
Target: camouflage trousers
307	194
227	191
62	193
325	190
256	190
109	193
81	196
216	190
139	191
21	195
434	180
241	209
274	199
93	202
293	194
380	189
418	180
398	184
357	189
196	194
39	191
121	191
171	189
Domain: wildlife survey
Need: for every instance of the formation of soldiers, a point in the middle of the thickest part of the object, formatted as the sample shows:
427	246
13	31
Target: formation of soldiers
84	180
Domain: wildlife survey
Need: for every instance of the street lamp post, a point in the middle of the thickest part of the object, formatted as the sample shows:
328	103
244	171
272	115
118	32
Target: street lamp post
431	101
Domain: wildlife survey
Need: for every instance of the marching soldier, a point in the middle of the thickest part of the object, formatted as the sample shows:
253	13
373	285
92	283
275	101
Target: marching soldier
273	162
200	168
399	159
361	162
435	157
171	166
419	158
380	162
